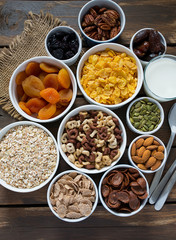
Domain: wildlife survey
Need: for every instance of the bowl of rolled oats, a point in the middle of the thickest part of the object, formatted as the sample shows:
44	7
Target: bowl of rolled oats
109	75
72	196
91	139
29	156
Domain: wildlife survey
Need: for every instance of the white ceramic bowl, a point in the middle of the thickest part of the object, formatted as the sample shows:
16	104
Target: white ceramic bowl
50	205
143	203
130	125
100	3
88	108
13	91
65	29
24	190
135	165
163	40
118	48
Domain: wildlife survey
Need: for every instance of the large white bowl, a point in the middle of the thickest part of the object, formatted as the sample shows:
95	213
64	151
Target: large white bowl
13	91
88	108
114	212
118	48
50	205
25	190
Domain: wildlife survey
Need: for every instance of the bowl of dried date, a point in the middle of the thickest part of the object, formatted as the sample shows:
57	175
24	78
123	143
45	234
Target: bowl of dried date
101	21
147	153
123	190
91	139
42	89
29	156
148	43
72	196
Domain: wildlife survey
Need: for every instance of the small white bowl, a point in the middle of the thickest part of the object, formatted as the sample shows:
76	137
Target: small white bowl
88	108
130	125
135	165
103	202
65	29
50	205
118	48
24	190
163	40
13	87
100	3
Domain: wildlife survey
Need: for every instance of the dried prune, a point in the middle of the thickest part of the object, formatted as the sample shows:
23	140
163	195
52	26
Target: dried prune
155	42
141	36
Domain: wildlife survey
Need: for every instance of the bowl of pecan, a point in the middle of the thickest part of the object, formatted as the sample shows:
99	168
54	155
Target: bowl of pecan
123	190
72	196
91	139
147	153
101	21
148	43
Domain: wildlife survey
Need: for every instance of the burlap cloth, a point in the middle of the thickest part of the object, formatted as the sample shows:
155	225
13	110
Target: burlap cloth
29	44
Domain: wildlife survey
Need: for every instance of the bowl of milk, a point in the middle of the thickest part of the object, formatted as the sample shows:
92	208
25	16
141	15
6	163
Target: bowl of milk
160	78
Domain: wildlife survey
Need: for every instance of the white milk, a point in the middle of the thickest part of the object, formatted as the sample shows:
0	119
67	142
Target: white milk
160	77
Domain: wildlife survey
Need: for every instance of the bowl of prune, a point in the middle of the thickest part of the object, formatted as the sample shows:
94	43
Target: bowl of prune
148	43
63	43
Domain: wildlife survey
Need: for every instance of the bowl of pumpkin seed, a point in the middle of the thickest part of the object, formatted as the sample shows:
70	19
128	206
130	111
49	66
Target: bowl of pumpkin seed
145	115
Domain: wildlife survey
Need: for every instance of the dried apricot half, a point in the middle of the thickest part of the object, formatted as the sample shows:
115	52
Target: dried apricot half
51	80
64	78
48	68
47	112
20	77
33	68
42	75
50	95
32	86
22	105
35	104
65	96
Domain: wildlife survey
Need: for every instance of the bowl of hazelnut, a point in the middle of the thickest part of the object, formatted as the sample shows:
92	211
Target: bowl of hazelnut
101	21
148	43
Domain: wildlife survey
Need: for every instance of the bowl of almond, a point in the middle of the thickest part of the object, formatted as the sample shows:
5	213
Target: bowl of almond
147	153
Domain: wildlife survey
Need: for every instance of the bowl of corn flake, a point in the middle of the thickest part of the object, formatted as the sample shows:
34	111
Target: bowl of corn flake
109	75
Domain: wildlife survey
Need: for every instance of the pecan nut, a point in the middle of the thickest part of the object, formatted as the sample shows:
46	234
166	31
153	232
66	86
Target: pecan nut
105	26
89	19
113	32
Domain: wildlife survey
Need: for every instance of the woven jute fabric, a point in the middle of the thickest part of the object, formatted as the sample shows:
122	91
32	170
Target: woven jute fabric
29	43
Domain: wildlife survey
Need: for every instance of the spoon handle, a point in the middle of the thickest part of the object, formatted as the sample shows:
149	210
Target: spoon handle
158	174
161	200
162	184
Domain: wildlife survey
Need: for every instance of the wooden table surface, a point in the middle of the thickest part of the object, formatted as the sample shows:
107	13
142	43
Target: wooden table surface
27	216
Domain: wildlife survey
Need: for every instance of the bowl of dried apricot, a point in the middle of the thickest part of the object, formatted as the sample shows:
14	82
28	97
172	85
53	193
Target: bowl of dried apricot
123	190
72	196
147	153
109	75
42	89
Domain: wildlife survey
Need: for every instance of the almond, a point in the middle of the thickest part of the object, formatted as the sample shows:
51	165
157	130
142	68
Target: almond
148	141
156	143
141	151
150	162
146	155
152	147
141	166
137	159
139	142
153	152
159	155
160	148
156	165
133	149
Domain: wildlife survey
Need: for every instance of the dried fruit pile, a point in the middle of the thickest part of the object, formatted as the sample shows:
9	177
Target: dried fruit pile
147	153
147	44
73	196
101	23
43	90
63	45
124	190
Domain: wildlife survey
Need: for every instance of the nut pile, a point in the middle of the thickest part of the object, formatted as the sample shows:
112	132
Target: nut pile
27	156
147	44
145	115
101	23
147	153
92	139
124	190
73	196
109	77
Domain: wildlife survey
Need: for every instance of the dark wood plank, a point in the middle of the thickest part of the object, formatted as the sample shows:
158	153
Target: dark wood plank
40	222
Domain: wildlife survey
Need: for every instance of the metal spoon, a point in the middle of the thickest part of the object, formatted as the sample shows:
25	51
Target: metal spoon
172	123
